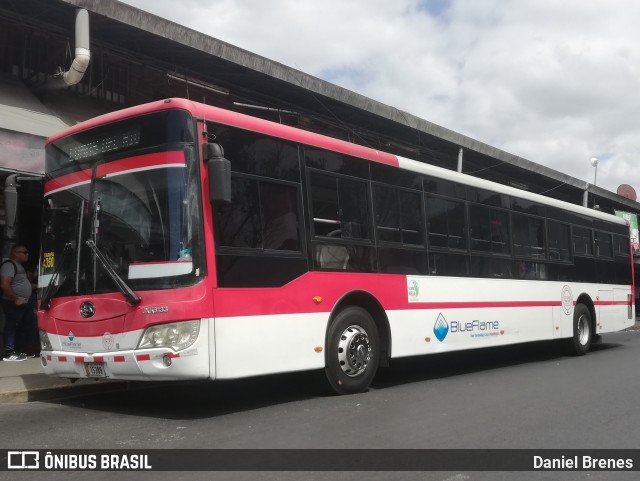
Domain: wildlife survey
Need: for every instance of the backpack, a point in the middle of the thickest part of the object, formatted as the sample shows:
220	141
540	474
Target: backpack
15	267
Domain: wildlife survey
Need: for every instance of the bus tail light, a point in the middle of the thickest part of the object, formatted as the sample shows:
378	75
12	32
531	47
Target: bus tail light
176	335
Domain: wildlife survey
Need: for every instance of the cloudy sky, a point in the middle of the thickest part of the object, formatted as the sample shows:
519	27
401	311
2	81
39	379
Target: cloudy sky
554	81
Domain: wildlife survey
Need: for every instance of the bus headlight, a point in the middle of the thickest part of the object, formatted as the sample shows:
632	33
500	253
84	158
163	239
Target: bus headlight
45	343
177	335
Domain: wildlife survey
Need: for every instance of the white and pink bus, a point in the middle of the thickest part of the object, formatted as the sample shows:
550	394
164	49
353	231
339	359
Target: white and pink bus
183	241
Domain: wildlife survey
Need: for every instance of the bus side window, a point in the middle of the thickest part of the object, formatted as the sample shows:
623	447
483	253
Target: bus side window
280	216
262	215
528	236
354	209
341	228
582	241
398	215
446	224
332	257
604	244
559	241
239	222
324	204
489	230
340	207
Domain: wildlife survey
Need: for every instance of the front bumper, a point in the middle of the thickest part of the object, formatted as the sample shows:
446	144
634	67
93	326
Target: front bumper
160	364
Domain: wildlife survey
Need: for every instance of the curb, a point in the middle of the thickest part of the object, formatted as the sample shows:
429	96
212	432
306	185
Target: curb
16	390
21	389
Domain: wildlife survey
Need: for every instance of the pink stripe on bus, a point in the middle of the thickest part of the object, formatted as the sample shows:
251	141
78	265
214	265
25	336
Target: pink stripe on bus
484	304
66	181
118	166
140	162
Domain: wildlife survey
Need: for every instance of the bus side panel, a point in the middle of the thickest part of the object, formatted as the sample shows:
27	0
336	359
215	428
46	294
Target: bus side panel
212	348
604	309
429	331
453	314
560	321
613	310
268	344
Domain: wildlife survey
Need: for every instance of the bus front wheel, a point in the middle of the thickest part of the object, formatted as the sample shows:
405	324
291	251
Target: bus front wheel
580	343
353	351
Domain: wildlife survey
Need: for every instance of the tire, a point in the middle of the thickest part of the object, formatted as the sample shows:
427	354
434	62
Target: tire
579	344
353	351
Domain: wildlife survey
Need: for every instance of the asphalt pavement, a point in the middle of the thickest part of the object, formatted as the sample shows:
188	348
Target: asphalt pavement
25	381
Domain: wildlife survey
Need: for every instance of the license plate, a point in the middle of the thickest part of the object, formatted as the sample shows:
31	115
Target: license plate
95	369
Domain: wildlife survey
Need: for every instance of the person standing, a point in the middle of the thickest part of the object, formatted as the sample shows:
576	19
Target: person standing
16	290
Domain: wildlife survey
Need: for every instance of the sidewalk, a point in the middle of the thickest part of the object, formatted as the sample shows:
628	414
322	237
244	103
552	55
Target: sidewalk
25	381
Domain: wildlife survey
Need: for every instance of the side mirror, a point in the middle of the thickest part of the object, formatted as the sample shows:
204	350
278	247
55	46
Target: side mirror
219	174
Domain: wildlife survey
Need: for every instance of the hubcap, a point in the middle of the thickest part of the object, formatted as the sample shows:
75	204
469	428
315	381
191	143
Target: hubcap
583	330
354	351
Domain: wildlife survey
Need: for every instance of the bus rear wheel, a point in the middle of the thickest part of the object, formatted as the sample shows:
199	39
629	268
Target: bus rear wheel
579	344
353	351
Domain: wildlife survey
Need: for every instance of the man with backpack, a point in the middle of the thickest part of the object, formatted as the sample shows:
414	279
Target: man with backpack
16	290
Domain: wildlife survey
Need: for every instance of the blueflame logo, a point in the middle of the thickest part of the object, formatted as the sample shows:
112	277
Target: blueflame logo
71	343
441	328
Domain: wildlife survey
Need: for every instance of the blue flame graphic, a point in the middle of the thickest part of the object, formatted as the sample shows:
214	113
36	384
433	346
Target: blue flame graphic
441	328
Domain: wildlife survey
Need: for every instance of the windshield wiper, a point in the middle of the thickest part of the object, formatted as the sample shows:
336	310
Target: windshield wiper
124	288
52	286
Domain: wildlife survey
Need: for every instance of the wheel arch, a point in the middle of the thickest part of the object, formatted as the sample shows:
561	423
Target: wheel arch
369	303
588	302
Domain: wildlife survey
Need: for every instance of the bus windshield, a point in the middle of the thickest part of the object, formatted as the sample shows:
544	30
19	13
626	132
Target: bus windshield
122	205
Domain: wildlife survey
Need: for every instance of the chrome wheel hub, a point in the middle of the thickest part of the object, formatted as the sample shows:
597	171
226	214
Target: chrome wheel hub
354	351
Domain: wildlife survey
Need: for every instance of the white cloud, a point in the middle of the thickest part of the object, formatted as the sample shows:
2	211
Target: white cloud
553	82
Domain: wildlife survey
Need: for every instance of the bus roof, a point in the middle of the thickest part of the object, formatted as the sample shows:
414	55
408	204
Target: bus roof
267	127
471	181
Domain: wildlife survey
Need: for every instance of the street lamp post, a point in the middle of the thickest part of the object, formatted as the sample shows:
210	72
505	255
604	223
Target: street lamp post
594	163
